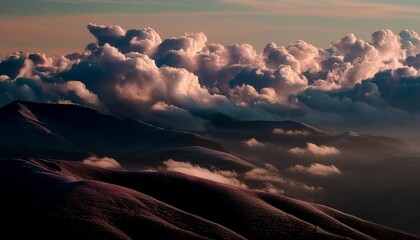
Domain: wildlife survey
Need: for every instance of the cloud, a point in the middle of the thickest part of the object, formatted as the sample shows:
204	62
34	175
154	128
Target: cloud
226	177
317	169
283	80
102	162
252	142
181	82
12	65
265	179
271	181
144	41
328	8
297	150
316	150
280	131
322	150
272	189
410	41
260	174
80	91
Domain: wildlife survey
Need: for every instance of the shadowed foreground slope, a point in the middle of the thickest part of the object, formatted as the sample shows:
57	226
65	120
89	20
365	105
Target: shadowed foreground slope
71	200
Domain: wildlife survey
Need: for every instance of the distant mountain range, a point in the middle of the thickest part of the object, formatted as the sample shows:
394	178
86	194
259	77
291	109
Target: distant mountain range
61	131
292	134
54	131
46	187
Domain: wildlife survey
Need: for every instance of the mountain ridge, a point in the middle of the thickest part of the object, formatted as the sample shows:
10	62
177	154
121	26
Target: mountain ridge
88	133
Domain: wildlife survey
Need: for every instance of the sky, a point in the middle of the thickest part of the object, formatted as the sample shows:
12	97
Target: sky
59	26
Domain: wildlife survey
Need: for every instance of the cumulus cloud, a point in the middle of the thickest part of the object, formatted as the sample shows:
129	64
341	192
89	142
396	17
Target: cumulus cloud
317	169
321	150
144	41
410	41
252	142
226	177
135	73
102	162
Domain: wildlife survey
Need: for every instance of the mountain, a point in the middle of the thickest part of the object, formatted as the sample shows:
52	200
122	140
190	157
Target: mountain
71	200
356	163
351	140
58	131
291	134
288	133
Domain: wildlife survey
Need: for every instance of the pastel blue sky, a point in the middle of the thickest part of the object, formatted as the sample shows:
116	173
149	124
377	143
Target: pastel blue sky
59	26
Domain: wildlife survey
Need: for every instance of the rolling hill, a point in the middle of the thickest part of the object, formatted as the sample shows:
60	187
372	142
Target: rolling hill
71	200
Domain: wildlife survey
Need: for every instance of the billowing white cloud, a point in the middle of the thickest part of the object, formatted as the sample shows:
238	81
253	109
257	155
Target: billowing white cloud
102	162
321	150
410	41
135	73
144	41
80	90
317	169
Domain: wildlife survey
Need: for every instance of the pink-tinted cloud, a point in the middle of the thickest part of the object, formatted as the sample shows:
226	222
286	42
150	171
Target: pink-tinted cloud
267	178
264	175
281	131
226	177
272	189
273	182
317	169
297	150
321	150
102	162
252	142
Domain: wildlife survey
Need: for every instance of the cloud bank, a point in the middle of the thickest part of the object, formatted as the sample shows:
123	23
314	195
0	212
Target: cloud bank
135	73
